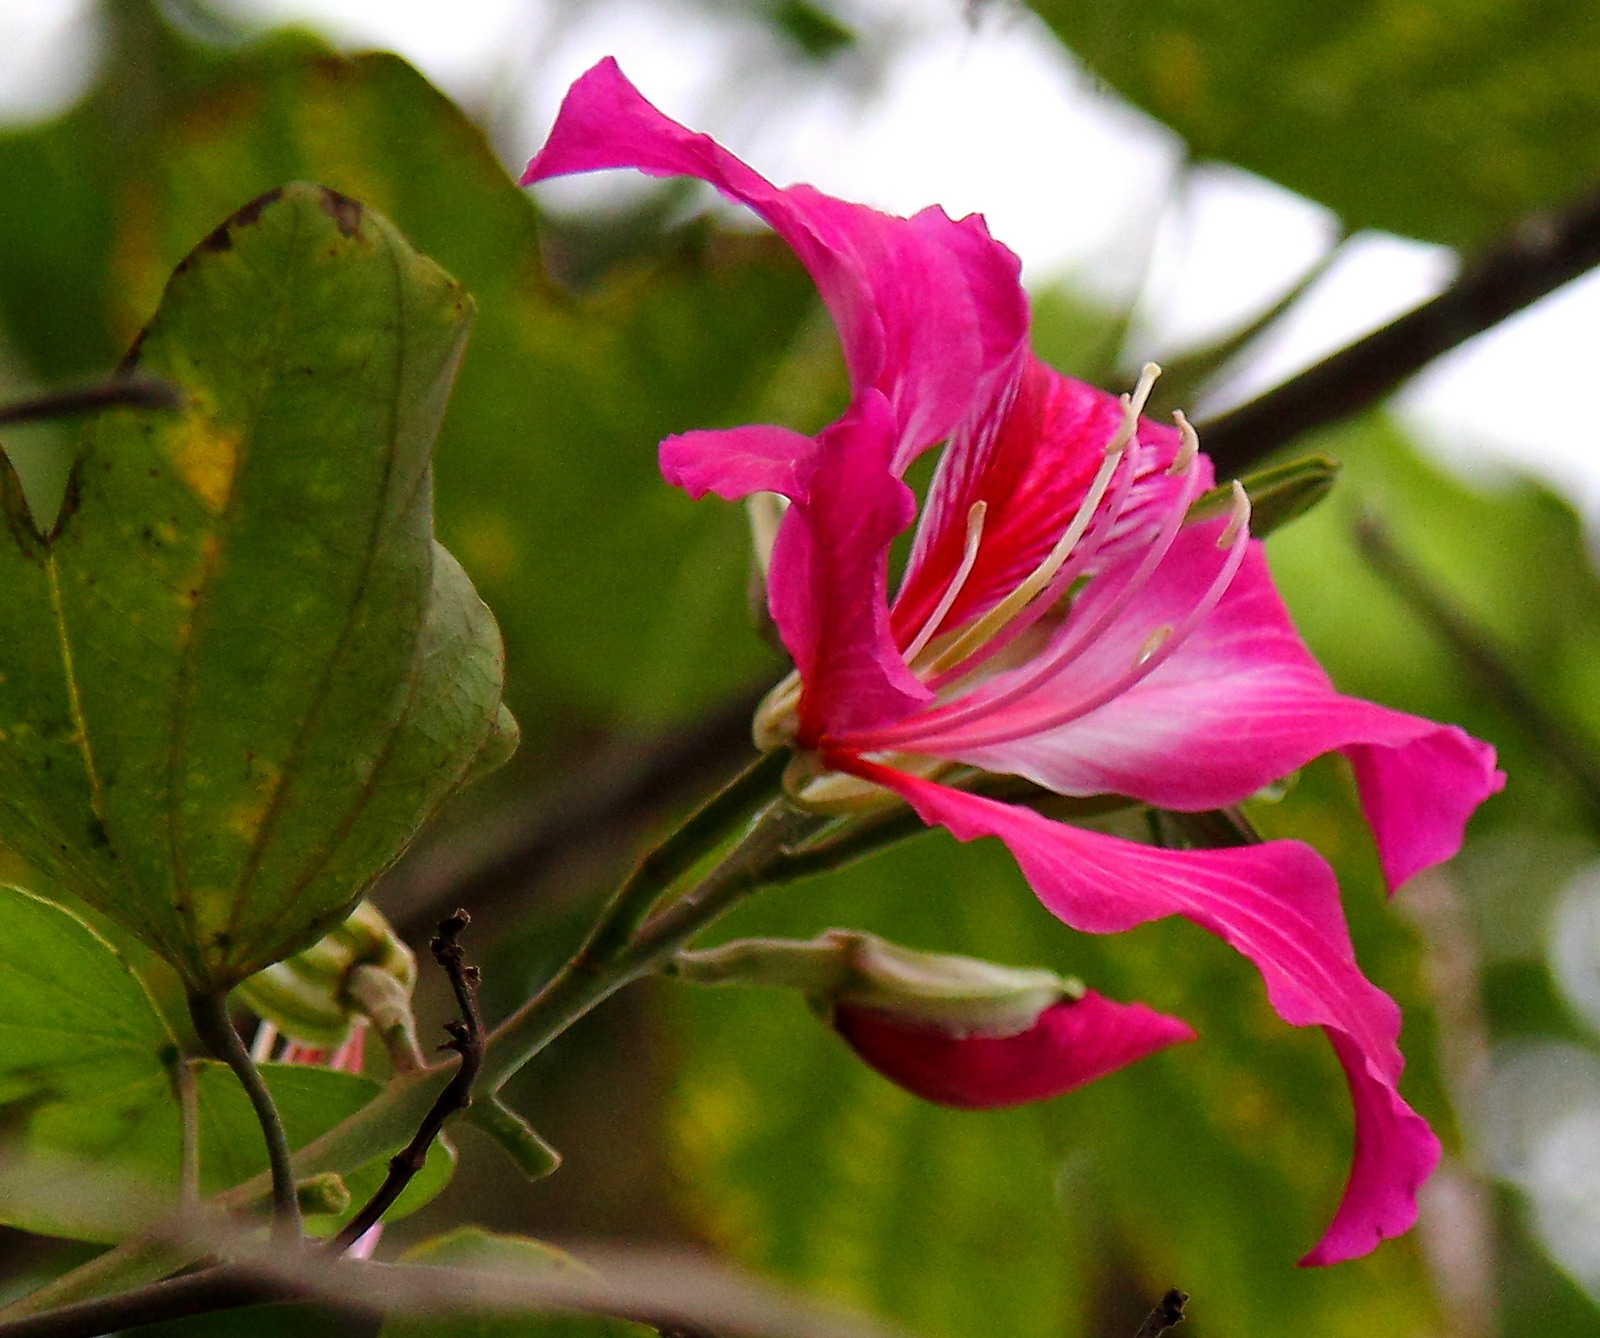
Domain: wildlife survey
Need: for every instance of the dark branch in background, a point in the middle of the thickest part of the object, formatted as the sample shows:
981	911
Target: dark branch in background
466	1039
202	1293
1564	741
1166	1315
619	795
140	392
1540	254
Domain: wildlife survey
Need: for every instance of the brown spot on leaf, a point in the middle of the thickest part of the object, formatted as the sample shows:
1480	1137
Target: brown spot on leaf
218	239
344	211
244	217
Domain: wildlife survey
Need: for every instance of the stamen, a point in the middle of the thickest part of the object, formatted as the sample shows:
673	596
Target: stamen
1238	524
969	557
1238	520
985	629
1189	447
1152	644
1074	643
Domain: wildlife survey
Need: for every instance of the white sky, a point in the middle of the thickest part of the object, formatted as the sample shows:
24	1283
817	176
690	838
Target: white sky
987	117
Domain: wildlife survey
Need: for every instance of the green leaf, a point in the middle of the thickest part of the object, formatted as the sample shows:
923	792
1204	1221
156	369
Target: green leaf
236	676
608	585
99	1166
87	1096
489	1252
1213	1165
1424	117
75	1021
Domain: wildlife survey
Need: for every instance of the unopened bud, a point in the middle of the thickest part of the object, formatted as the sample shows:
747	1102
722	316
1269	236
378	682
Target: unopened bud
323	1194
308	996
955	1030
960	996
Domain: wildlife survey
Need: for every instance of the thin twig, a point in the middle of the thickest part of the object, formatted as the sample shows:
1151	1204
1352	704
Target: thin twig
215	1030
1538	255
139	392
208	1291
466	1039
756	785
1564	741
1166	1315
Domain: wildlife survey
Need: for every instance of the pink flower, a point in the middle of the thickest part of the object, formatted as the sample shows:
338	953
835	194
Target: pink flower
1057	620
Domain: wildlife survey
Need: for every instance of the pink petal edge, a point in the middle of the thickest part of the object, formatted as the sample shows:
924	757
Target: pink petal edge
1276	903
930	310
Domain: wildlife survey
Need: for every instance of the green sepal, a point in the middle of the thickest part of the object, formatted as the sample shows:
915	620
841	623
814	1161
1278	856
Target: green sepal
1278	493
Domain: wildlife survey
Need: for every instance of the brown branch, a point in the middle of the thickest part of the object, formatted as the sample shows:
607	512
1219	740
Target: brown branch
466	1039
1165	1316
203	1293
1538	255
139	392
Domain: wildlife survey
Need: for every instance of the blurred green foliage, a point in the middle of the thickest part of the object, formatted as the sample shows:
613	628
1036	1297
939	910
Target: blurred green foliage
78	1028
1431	118
1213	1166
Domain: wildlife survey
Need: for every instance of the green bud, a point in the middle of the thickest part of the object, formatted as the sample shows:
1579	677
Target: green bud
959	995
1278	494
323	1194
308	996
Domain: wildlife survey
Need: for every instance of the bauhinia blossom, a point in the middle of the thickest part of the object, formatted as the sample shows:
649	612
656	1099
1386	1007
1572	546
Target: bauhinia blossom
1060	618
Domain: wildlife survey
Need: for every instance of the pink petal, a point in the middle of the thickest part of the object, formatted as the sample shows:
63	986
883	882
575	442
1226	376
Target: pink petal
1030	459
1072	1043
930	311
737	461
1276	903
1240	704
829	569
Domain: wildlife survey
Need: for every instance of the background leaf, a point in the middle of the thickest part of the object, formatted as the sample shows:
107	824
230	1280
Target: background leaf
248	716
469	1247
1212	1166
1431	118
87	1099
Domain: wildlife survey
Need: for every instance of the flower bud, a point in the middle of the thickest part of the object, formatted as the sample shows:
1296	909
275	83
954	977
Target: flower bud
307	996
1070	1043
959	995
954	1030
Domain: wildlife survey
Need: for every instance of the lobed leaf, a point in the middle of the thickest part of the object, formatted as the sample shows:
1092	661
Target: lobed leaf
235	676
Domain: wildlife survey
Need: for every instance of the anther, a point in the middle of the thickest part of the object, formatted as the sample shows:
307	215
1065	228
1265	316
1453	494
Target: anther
1152	643
1239	519
1188	448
